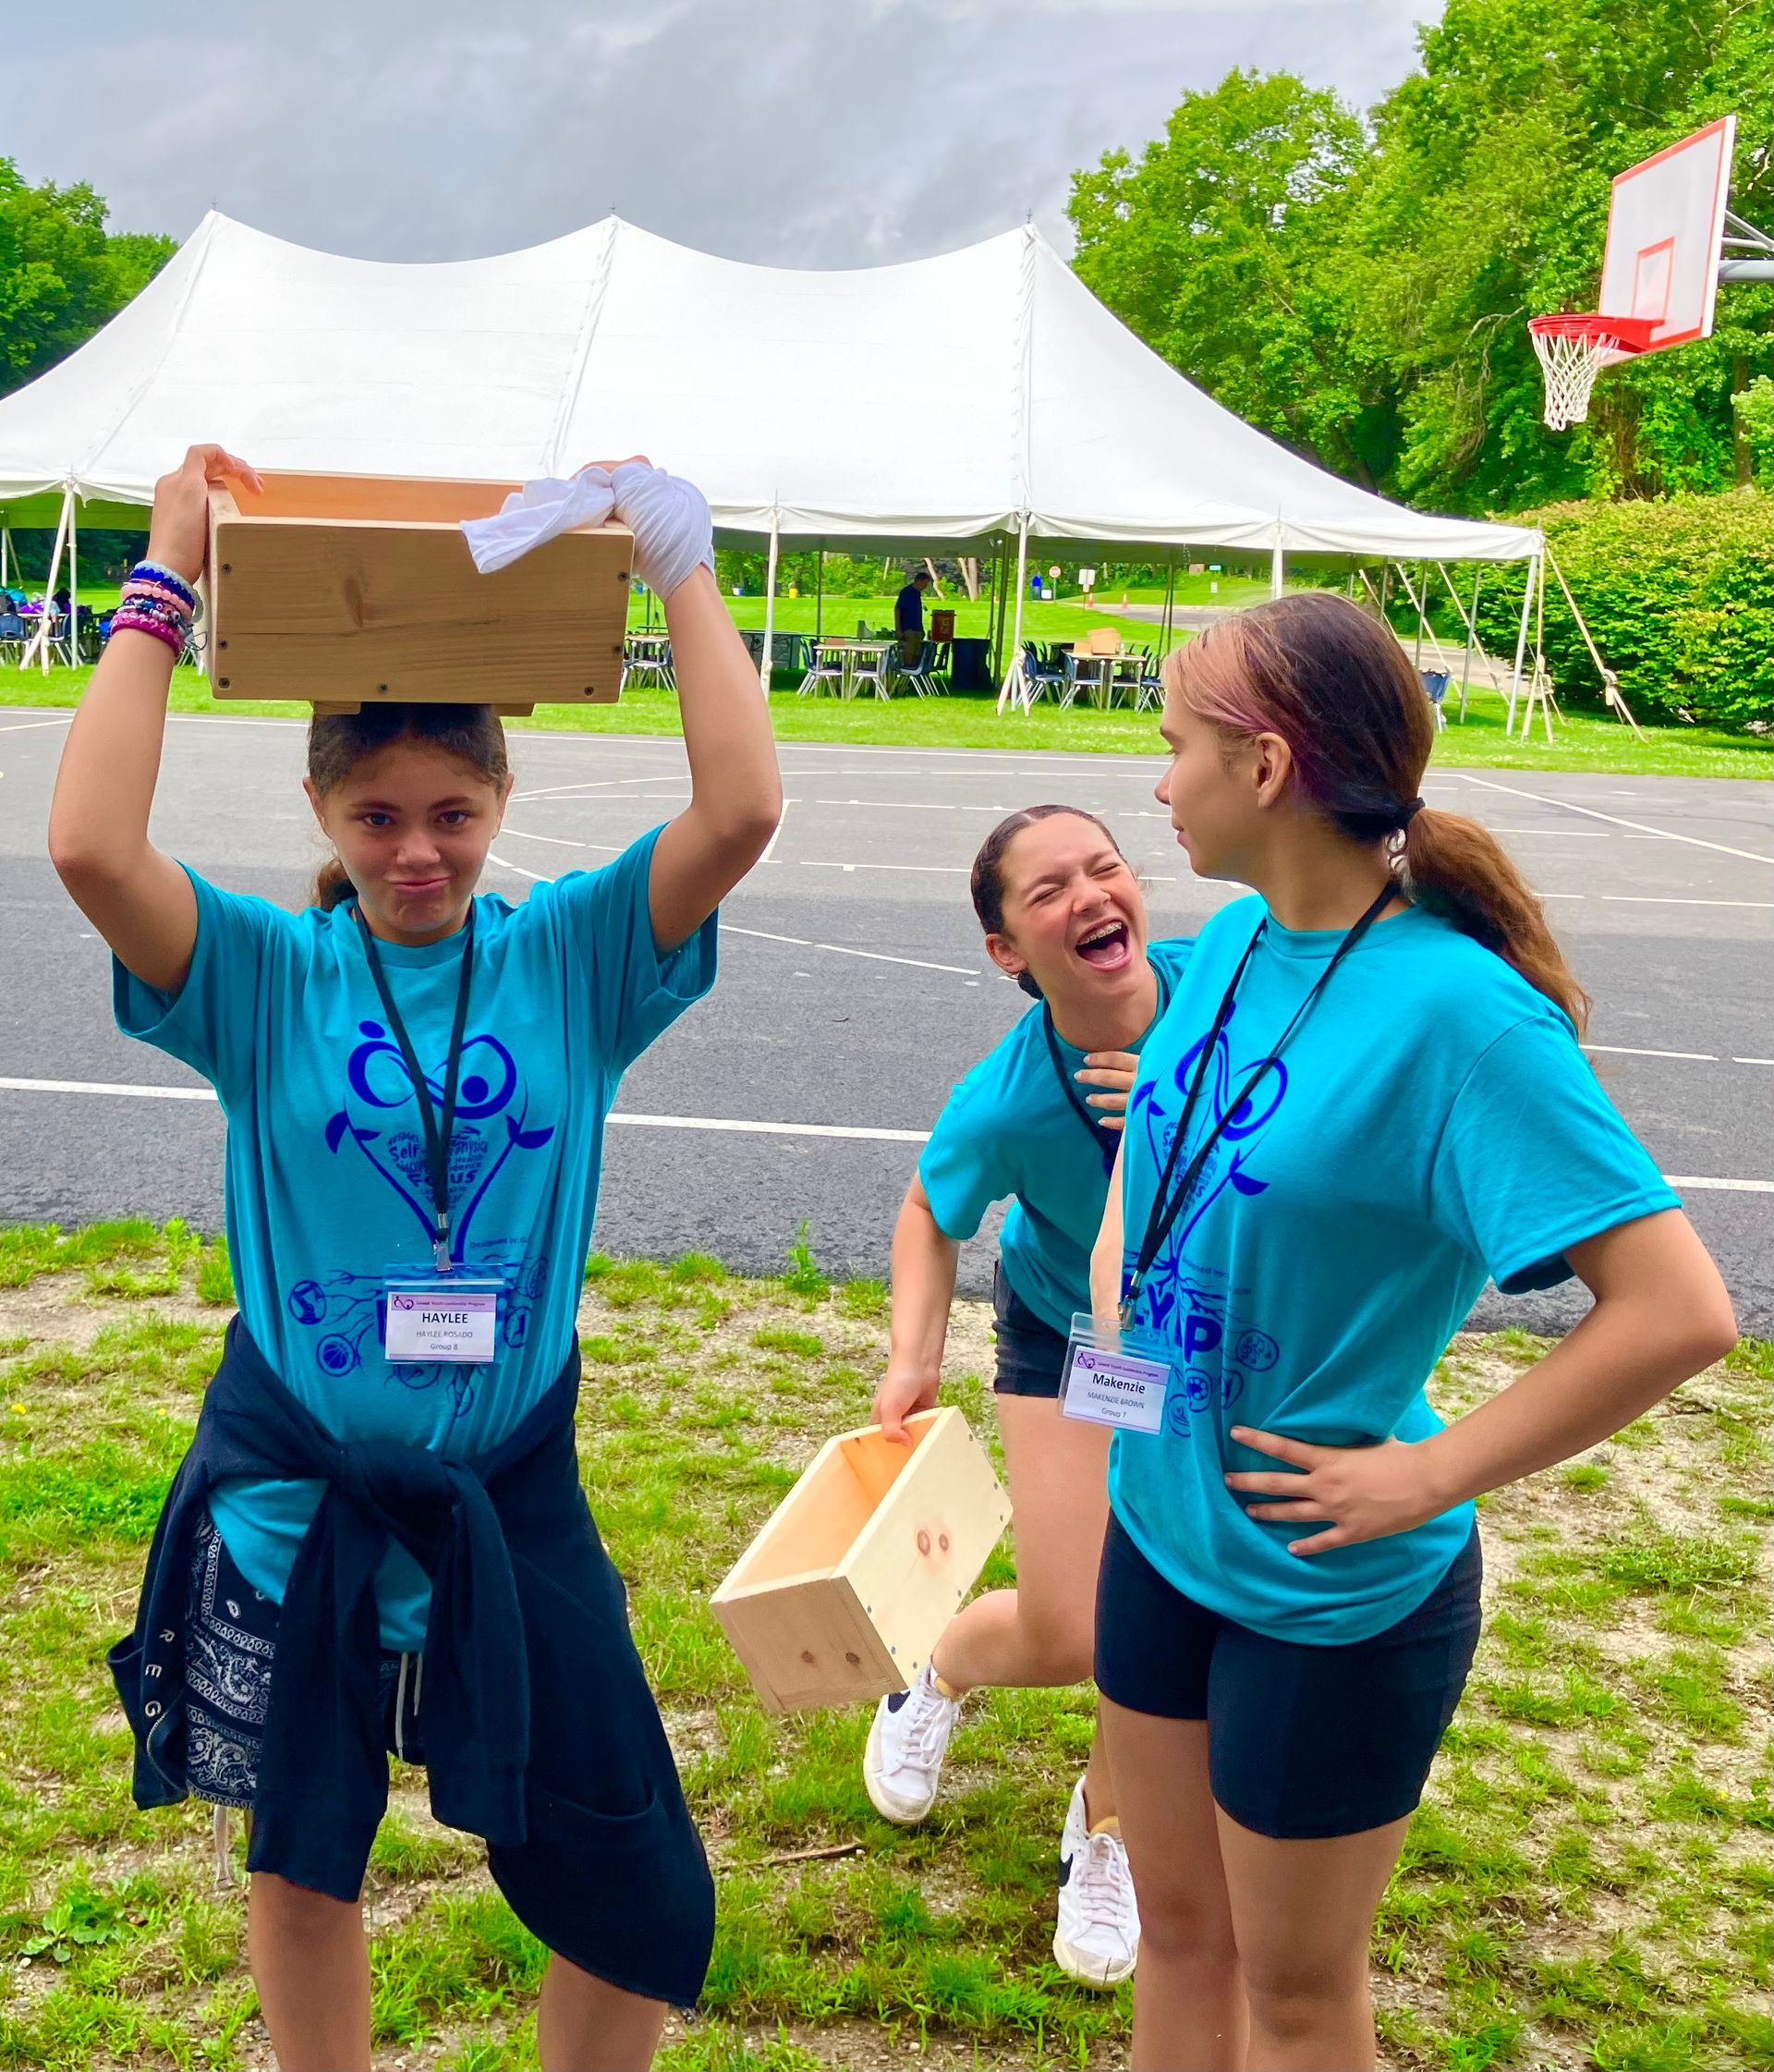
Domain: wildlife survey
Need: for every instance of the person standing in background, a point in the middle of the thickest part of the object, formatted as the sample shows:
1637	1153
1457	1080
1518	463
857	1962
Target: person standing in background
908	617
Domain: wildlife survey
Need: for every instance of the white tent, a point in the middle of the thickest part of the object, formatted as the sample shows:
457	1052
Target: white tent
984	395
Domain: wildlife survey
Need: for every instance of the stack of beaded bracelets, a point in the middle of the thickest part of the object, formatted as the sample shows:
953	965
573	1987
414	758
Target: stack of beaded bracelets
157	601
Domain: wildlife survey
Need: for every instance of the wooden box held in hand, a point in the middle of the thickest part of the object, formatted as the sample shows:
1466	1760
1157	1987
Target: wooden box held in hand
845	1592
358	590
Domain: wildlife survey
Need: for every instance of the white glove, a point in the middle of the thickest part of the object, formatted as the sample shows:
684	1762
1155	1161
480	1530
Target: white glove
669	518
541	510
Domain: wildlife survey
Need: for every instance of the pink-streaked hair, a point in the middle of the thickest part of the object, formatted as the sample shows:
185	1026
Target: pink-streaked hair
1335	685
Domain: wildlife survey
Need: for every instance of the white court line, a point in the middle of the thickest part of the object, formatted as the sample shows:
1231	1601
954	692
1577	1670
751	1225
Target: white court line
1660	899
599	784
880	957
556	841
1539	799
535	877
848	1131
938	870
1752	1061
769	847
25	726
1626	1050
764	935
101	1086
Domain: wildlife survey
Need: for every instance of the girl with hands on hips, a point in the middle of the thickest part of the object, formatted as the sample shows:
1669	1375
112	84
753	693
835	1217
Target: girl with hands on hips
286	1625
1035	1123
1368	1098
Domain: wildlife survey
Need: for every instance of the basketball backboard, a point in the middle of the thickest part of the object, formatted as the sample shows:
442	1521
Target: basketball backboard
1664	228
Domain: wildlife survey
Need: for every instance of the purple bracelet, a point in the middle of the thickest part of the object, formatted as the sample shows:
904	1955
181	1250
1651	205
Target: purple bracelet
124	620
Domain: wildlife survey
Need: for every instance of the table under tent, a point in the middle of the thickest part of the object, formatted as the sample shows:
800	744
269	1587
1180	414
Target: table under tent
982	403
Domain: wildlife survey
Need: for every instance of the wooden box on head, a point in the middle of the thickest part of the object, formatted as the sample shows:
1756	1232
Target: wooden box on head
846	1589
349	591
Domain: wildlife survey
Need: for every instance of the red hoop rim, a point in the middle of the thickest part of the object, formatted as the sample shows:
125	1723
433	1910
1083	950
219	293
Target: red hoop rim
1624	334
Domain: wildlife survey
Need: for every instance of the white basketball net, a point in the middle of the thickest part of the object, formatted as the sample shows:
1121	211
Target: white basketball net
1571	360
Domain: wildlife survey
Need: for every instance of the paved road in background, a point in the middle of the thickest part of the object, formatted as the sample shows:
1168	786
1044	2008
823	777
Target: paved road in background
854	989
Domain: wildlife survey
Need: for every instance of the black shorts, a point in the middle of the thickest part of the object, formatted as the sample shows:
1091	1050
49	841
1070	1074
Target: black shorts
1303	1742
1032	1354
612	1874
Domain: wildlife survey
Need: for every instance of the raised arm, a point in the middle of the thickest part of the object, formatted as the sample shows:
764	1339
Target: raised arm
735	789
924	1266
138	899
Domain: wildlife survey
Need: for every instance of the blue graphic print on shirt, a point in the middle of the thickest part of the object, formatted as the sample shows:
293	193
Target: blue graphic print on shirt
328	1190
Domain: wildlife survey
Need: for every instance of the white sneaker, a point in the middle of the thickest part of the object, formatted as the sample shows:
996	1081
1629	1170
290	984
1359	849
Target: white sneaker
1097	1940
903	1764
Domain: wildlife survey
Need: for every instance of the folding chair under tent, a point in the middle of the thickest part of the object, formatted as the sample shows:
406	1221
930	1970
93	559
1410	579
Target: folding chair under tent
1043	427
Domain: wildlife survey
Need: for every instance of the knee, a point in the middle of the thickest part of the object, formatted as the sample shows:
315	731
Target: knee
1177	1927
1062	1647
1291	1994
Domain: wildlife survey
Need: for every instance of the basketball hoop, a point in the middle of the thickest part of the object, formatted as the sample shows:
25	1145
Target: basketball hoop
1574	349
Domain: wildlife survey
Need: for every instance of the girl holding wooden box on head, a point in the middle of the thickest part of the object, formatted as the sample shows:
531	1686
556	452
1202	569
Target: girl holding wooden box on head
378	1542
1366	1098
1036	1122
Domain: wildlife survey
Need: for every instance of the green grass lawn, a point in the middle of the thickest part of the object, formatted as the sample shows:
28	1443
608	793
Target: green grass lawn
1586	1884
1583	740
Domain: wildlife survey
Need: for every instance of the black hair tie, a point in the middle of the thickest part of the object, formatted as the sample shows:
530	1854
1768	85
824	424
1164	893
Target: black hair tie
1406	815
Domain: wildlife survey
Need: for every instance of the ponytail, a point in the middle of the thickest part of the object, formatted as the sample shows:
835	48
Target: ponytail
1458	870
332	885
1336	687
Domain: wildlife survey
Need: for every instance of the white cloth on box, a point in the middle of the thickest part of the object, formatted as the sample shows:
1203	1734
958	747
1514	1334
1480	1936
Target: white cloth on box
669	518
541	510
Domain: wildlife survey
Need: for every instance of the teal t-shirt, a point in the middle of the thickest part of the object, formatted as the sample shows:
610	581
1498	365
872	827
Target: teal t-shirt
1430	1123
326	1183
1009	1133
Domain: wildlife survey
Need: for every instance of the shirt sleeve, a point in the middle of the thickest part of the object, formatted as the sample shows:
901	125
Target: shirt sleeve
636	994
1536	1158
212	1022
965	1166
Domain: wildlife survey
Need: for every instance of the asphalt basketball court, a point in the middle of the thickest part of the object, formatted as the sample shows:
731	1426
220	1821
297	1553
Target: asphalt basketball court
855	990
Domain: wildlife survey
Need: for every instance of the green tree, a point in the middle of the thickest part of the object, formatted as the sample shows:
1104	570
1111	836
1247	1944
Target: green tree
1364	293
1486	203
1218	246
61	275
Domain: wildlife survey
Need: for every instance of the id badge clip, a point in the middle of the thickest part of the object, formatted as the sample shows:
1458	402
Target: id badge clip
441	1317
1113	1377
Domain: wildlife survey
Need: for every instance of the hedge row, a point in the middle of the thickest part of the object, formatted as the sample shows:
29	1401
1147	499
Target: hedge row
1678	595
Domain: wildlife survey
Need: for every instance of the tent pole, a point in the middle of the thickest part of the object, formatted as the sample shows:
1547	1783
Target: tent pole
1422	610
1542	677
818	595
1521	646
770	600
39	639
1014	684
1000	600
1277	573
73	584
1472	633
6	553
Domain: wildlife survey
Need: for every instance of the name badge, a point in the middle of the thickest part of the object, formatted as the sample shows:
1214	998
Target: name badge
435	1322
1108	1381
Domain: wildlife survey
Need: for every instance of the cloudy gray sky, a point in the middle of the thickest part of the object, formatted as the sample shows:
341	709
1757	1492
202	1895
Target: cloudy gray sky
797	132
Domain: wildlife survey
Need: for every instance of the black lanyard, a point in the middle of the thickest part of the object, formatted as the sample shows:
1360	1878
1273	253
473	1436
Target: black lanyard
1108	1140
437	1135
1168	1205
